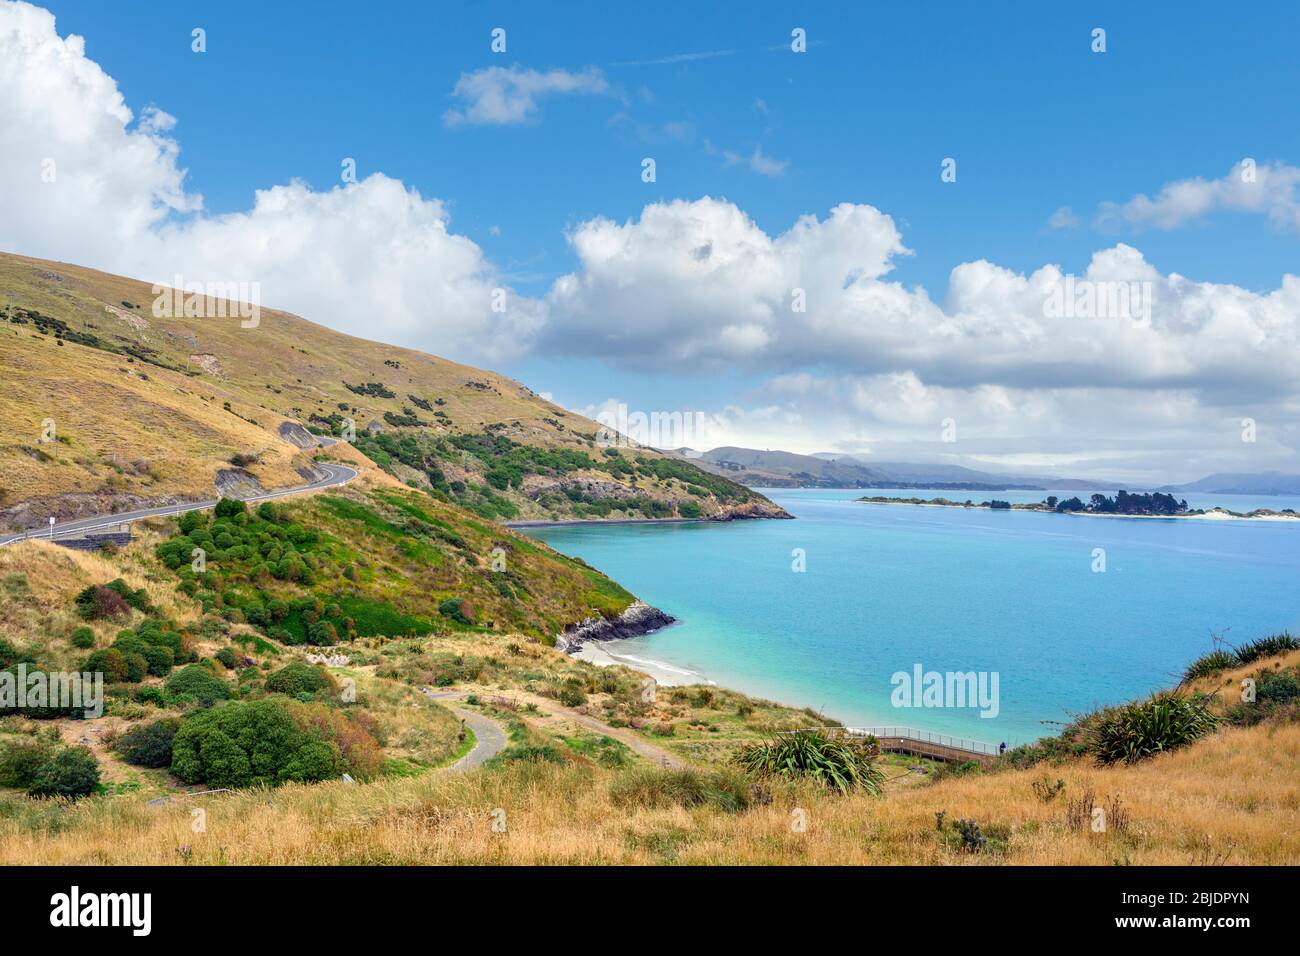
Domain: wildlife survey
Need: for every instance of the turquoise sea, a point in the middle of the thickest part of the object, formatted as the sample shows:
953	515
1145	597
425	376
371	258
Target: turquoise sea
888	587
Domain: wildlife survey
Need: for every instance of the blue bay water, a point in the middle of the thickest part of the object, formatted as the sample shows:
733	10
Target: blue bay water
891	586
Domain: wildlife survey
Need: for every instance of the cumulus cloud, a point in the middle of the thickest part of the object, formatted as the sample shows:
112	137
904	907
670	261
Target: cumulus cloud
1271	189
94	184
505	96
700	284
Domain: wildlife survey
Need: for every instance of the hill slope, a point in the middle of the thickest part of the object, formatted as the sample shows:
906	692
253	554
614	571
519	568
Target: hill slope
149	409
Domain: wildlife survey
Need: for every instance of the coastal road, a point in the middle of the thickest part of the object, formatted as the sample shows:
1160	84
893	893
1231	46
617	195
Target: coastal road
489	736
335	475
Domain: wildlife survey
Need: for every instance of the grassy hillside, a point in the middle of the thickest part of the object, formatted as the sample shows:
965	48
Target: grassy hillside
151	409
588	775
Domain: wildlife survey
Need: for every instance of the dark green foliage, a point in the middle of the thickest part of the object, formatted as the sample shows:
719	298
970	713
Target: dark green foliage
1277	687
1266	647
1211	663
572	696
227	658
149	745
408	419
195	682
1143	729
71	773
689	509
21	760
96	603
837	760
251	743
111	662
298	678
373	389
229	507
1125	503
160	659
83	638
458	609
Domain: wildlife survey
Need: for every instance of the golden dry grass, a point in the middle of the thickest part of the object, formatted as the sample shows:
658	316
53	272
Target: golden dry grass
170	420
1233	798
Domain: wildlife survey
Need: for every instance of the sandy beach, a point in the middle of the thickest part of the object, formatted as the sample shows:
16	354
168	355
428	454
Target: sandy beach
609	653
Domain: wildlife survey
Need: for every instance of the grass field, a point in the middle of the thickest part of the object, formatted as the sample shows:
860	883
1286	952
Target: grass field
149	409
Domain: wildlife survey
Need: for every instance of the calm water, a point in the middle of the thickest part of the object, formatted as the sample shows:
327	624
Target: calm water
891	586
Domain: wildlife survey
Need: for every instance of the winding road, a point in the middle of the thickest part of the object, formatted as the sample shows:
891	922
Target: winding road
489	736
334	475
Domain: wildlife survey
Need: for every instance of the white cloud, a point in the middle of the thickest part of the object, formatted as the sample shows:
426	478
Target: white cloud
1269	189
504	96
1063	218
700	284
756	161
372	258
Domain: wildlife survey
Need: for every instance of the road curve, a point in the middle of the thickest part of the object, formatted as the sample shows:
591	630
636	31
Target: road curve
334	475
489	736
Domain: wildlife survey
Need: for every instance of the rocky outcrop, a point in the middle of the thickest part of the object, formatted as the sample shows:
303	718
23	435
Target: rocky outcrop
237	483
296	435
760	508
36	512
638	619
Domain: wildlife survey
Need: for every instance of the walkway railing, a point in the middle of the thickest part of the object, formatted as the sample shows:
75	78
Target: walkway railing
923	742
942	740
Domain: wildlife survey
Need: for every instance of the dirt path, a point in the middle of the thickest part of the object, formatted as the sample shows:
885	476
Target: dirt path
644	748
489	735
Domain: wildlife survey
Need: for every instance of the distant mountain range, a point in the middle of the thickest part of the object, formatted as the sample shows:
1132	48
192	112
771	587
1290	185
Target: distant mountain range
784	469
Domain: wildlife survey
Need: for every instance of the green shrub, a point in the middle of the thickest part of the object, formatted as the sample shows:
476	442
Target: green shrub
229	507
71	773
298	678
572	697
689	509
1165	721
149	745
1278	687
458	609
21	760
1266	647
251	743
138	598
227	658
834	759
196	682
1211	663
96	603
83	638
160	659
110	662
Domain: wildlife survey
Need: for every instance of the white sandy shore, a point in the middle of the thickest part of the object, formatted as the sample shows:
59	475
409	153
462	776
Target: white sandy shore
609	653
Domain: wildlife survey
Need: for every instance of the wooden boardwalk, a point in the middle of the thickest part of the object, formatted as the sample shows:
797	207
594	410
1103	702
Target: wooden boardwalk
921	743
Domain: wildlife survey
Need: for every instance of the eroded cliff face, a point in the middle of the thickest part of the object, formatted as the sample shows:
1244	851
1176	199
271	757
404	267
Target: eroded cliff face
639	618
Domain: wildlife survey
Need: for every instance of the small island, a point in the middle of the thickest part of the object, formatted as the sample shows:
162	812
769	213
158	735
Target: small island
1123	505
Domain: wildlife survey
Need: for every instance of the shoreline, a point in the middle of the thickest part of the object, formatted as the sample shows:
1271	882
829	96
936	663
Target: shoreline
1212	514
574	522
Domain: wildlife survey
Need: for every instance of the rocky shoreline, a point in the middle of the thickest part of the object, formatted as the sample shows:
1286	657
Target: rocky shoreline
638	619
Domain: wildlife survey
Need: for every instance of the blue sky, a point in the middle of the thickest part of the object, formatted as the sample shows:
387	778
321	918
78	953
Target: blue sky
1036	121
